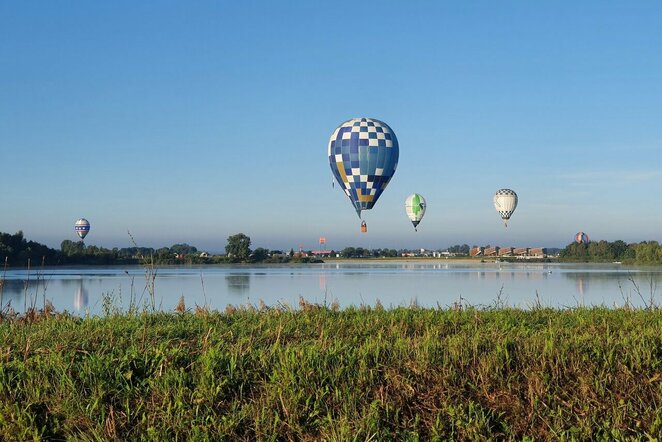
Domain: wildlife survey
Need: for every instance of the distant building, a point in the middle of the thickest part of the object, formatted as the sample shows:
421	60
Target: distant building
476	251
521	251
538	252
505	251
321	252
491	251
444	254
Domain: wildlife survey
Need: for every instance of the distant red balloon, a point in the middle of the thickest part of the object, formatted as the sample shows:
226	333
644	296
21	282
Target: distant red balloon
581	238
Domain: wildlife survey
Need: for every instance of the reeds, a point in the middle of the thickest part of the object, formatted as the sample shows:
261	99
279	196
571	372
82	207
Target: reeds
316	373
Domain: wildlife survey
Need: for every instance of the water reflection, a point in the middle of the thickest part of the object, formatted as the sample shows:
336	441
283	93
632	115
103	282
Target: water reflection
431	283
81	297
511	275
322	281
12	292
238	283
582	284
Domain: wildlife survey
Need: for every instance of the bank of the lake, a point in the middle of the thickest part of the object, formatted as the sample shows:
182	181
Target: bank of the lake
317	373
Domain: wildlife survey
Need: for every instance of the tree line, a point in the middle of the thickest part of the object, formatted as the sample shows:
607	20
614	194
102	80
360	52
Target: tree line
645	252
16	251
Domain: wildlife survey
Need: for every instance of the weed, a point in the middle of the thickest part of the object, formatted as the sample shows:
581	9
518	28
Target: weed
316	373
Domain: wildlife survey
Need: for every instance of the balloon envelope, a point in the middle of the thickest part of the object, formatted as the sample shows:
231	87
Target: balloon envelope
505	202
82	227
415	207
363	155
581	237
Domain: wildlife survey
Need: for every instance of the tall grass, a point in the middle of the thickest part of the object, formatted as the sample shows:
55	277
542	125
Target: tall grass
317	373
3	308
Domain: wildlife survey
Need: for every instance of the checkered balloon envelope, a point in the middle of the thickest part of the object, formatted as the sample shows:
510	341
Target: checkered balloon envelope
363	155
505	202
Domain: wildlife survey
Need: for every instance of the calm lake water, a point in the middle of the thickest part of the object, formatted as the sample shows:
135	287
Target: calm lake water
428	283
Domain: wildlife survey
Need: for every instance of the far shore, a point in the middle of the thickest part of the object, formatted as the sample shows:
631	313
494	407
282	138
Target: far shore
400	260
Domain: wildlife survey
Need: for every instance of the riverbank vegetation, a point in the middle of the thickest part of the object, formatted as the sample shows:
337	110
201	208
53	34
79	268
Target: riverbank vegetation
319	373
16	251
643	253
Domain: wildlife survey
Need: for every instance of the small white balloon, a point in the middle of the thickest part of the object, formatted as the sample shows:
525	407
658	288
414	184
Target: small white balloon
505	202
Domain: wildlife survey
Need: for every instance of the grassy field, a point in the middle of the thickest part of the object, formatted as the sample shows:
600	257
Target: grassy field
316	373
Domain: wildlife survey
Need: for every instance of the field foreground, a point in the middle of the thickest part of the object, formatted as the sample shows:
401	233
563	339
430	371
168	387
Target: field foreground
316	373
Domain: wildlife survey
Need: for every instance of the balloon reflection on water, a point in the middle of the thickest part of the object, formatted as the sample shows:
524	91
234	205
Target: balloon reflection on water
81	298
238	283
582	285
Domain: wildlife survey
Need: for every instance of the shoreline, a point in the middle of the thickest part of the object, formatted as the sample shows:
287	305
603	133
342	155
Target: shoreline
343	261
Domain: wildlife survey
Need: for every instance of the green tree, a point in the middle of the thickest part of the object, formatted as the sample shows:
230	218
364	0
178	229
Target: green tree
348	252
259	255
599	251
238	247
69	247
183	249
648	252
618	249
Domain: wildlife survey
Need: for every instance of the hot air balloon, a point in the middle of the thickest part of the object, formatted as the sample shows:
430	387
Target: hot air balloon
505	202
415	208
82	227
363	155
581	238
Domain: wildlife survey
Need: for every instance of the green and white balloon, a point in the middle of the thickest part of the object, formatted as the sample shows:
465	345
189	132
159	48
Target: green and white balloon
415	207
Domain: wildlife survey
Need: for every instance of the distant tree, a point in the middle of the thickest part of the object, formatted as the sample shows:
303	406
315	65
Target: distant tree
348	252
138	252
163	252
238	247
648	252
19	252
642	253
618	249
630	254
183	249
5	251
259	255
70	248
575	251
599	250
459	249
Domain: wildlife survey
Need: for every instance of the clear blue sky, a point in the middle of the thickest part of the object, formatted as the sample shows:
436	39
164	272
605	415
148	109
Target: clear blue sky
192	121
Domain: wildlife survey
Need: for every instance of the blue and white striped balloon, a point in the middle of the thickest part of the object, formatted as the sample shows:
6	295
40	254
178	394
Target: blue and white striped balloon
82	227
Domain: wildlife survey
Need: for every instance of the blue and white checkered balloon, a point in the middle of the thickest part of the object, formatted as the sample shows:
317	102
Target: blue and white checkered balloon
363	155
